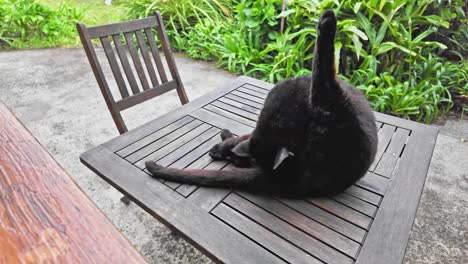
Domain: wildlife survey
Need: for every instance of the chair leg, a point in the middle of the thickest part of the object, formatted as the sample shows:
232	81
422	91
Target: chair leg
125	200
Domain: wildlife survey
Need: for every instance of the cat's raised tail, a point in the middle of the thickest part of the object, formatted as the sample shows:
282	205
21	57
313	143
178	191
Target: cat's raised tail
323	64
234	178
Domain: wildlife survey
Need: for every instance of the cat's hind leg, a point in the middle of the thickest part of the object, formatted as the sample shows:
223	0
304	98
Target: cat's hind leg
222	150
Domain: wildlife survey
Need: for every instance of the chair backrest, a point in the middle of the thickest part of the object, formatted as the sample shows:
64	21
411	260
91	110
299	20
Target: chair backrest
132	92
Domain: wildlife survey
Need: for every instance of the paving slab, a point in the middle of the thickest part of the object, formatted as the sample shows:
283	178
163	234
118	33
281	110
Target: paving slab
54	93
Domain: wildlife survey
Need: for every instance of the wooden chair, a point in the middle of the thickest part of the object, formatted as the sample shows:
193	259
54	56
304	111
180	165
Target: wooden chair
132	92
145	45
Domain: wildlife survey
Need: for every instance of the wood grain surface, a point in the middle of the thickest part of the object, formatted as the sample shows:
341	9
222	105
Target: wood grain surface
44	216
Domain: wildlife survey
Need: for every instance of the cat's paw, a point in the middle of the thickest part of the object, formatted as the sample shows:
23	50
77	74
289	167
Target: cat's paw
226	134
152	166
327	22
217	152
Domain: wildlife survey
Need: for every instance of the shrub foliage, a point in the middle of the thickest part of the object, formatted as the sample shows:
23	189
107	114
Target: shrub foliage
406	55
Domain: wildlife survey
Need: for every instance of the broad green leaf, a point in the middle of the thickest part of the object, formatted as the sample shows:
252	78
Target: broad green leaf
356	31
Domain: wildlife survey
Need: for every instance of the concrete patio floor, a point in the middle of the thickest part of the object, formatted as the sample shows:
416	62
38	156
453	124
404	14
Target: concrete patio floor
54	93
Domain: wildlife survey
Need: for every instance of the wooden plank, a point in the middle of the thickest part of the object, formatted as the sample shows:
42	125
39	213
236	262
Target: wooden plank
325	241
133	147
40	204
125	64
221	122
136	60
204	232
173	146
117	28
146	95
357	204
374	183
235	110
171	160
155	51
145	53
251	92
196	153
240	105
207	198
100	77
256	88
122	141
385	135
114	66
288	232
229	115
364	195
244	101
164	40
389	159
162	141
185	150
398	210
277	246
202	162
343	211
325	218
248	97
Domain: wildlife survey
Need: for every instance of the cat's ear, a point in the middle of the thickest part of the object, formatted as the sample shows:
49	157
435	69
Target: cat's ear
242	149
281	155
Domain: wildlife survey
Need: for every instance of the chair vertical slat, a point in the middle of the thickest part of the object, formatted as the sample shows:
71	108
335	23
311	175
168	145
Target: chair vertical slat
100	78
136	60
146	58
155	52
170	59
125	64
114	66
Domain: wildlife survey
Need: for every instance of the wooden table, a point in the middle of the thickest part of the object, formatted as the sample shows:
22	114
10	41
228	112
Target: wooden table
369	223
44	216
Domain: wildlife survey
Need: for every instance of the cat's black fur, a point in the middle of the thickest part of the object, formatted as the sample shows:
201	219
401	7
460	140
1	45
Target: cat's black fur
316	135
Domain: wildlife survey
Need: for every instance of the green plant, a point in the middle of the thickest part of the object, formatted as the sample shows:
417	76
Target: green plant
30	23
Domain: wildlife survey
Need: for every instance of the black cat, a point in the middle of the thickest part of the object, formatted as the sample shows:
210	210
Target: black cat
316	135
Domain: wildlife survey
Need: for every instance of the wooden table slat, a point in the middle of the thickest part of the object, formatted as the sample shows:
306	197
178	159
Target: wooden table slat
197	154
325	218
364	195
252	92
357	204
307	225
374	183
256	88
173	145
244	101
229	115
390	157
343	211
385	135
162	141
154	136
239	105
279	247
248	97
222	122
202	162
287	231
235	110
